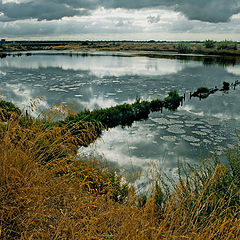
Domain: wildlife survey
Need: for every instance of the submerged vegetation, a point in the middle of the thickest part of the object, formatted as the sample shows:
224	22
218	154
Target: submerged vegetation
204	92
49	192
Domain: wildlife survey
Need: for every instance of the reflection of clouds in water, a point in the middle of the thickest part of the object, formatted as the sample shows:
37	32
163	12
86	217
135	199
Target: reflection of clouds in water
125	148
225	116
98	101
190	109
3	73
234	70
23	96
19	91
100	65
136	147
216	106
118	146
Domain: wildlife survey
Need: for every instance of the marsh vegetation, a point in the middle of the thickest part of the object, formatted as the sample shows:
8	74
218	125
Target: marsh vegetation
48	192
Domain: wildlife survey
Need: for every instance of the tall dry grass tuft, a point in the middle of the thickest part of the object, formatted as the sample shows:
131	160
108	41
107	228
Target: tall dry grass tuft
48	192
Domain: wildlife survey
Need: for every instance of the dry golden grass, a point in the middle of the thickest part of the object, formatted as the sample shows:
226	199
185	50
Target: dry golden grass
65	197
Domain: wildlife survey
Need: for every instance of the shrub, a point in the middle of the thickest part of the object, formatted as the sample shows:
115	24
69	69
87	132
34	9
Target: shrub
183	47
210	44
202	90
199	48
156	105
173	100
226	86
227	45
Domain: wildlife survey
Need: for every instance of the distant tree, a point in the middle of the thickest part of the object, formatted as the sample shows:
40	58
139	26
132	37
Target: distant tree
209	43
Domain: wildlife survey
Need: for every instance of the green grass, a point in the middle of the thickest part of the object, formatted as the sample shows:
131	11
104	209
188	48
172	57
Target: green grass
126	114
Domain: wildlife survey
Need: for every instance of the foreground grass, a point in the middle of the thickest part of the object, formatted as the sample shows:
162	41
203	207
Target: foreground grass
48	192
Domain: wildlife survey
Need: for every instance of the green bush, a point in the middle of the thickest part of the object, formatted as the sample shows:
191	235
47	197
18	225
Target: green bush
203	90
199	47
227	45
210	43
183	47
173	100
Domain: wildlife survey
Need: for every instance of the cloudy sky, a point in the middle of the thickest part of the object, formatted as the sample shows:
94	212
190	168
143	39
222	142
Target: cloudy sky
120	19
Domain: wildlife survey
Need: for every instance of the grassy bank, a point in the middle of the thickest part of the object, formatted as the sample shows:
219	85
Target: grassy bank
48	192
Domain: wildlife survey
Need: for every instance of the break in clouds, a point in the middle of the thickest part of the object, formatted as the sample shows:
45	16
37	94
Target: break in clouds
203	10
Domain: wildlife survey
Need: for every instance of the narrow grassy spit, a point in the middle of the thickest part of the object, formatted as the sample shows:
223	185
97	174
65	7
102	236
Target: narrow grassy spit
48	192
126	114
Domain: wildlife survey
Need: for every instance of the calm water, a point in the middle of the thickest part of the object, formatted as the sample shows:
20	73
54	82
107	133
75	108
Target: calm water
92	81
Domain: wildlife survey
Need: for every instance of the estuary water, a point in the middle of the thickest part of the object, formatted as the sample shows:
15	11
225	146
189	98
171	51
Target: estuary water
99	80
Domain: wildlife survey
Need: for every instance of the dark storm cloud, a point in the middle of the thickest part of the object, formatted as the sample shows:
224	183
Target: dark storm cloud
41	9
203	10
209	10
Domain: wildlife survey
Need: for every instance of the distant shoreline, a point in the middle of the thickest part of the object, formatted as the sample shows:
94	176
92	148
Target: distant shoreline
158	49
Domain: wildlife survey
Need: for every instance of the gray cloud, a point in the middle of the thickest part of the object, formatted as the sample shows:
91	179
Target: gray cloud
209	10
153	19
41	10
203	10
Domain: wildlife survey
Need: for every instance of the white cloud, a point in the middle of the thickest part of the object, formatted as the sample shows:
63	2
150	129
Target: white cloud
120	24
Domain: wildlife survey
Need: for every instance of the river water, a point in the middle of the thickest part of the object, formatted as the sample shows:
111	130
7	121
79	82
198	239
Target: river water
100	80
